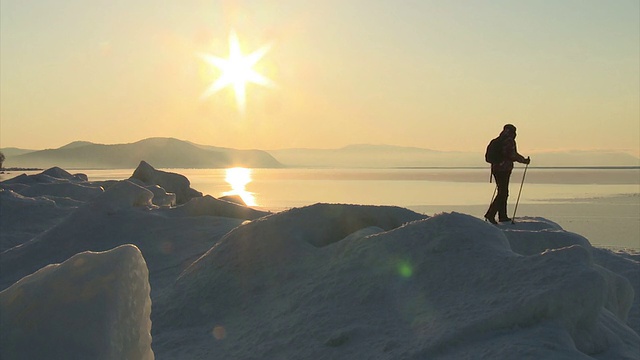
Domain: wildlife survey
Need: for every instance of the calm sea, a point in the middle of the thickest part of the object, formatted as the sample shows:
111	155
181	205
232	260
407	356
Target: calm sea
603	203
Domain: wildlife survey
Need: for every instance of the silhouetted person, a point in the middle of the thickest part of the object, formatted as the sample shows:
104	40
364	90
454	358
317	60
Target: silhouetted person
501	172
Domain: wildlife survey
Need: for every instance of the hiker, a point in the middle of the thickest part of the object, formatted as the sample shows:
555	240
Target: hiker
505	153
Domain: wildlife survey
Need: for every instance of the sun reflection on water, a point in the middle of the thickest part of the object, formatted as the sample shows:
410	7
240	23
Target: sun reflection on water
238	178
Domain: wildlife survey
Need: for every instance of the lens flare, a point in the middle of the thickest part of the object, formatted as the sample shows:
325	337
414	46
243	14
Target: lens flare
219	332
405	270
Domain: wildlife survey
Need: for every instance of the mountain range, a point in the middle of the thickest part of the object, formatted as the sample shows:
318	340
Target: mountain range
160	152
386	156
174	153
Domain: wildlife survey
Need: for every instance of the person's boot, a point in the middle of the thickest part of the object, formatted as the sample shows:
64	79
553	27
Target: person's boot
491	219
502	215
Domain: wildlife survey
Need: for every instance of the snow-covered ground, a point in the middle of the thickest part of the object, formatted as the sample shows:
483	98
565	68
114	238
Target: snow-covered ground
151	267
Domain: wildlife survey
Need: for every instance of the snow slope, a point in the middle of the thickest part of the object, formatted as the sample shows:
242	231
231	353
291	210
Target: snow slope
327	281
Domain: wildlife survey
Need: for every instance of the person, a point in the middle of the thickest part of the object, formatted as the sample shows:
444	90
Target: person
501	172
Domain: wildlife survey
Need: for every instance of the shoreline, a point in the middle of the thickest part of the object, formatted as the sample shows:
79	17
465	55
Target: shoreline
12	169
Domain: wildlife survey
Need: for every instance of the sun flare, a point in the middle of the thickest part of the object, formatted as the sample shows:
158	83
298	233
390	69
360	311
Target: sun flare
237	71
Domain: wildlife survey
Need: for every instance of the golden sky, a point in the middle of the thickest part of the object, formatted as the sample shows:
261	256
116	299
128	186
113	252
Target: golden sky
444	75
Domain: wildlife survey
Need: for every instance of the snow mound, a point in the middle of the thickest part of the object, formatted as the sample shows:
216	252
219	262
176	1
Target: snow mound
59	173
171	182
210	206
54	183
75	191
344	282
92	306
282	240
533	236
236	199
49	176
123	195
10	196
530	237
286	236
529	223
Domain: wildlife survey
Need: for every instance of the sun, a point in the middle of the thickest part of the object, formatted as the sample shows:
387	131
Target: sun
237	71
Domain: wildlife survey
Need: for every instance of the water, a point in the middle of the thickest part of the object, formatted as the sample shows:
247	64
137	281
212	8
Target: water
593	202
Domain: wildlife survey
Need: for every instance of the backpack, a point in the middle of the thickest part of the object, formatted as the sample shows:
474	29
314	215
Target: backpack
494	154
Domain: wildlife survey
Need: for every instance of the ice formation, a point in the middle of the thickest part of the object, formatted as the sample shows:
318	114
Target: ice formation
171	182
161	197
92	306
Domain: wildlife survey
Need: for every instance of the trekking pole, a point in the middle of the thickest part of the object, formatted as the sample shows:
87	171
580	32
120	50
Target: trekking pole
494	194
494	189
513	218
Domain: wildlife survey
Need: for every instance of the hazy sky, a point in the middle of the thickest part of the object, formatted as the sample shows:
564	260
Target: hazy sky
439	74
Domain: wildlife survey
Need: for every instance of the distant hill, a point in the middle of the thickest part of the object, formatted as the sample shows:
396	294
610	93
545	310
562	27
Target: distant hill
374	156
159	152
76	144
173	153
12	151
387	156
581	158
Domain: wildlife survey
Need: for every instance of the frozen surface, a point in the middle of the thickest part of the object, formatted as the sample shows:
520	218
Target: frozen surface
92	306
327	281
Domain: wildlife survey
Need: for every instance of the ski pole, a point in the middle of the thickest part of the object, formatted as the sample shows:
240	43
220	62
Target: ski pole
513	218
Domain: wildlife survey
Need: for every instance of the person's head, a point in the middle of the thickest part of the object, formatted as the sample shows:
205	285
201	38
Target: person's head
509	130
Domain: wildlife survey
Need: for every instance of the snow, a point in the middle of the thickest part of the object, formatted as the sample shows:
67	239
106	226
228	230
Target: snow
171	182
208	205
92	306
123	195
20	226
326	281
161	197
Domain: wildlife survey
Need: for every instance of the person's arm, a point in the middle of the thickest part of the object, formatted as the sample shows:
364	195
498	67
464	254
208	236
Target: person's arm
511	153
519	158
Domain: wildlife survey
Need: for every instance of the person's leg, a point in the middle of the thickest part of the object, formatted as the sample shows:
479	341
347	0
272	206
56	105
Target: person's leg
502	182
490	215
